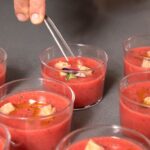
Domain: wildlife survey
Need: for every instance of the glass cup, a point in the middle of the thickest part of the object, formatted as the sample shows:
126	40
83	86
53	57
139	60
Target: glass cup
85	73
105	136
136	54
135	102
3	59
37	112
4	138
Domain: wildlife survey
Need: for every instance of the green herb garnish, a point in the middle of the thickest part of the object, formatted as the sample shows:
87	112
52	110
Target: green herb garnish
70	76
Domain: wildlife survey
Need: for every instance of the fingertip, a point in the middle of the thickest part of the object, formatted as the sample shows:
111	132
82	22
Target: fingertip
22	17
37	11
21	8
37	18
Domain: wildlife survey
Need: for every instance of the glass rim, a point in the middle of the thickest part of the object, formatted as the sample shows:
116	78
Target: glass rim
100	126
4	53
39	117
129	99
8	136
79	45
131	38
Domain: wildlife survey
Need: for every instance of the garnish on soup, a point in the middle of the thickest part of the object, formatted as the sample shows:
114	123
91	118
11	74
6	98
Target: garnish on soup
73	72
146	60
91	145
147	100
148	53
33	107
146	63
7	108
47	110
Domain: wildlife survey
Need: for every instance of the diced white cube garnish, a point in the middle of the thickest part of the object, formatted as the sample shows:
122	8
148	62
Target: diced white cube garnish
147	100
47	110
7	108
63	73
80	74
148	53
91	145
61	65
146	63
32	101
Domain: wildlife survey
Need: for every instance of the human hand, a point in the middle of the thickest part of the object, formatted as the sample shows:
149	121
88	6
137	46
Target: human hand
30	9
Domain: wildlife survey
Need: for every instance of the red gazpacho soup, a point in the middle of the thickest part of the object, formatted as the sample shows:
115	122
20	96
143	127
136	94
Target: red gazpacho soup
37	120
2	143
84	75
135	107
105	143
137	60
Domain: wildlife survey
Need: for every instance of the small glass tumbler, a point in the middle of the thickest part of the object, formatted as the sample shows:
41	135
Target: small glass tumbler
37	112
4	138
3	59
84	73
104	137
136	54
135	102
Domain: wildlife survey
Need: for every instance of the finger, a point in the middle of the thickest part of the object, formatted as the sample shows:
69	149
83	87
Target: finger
22	9
37	11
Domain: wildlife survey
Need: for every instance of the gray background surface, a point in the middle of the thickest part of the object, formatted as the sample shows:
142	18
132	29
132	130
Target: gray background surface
102	23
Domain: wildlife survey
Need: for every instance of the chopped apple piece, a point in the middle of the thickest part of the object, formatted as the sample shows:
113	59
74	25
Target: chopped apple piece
146	63
83	68
61	65
147	100
63	73
32	101
80	74
87	71
91	145
7	108
47	110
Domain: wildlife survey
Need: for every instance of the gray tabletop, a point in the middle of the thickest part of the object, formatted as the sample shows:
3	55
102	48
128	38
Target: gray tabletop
102	23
